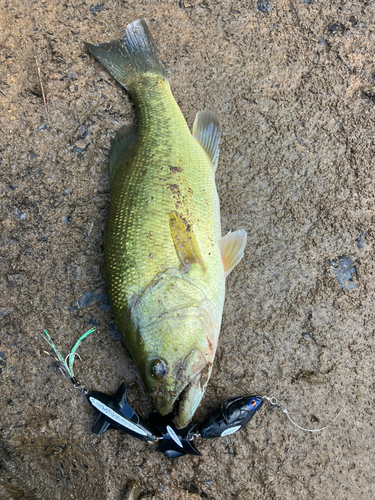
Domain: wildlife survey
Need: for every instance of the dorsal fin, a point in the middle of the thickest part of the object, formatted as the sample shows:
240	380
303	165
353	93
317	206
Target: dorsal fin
206	130
232	246
124	138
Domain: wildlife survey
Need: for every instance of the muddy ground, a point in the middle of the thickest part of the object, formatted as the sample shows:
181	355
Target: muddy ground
294	85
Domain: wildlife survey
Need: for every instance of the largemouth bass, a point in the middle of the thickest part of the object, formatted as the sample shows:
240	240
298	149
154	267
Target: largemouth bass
165	259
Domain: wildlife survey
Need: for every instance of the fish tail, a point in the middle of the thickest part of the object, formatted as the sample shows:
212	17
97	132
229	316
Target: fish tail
128	58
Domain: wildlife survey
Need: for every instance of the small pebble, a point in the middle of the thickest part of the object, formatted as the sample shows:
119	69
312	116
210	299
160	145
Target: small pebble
96	8
264	6
343	269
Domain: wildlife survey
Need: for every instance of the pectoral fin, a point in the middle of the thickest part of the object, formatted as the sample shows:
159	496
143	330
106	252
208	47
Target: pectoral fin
206	130
184	240
232	247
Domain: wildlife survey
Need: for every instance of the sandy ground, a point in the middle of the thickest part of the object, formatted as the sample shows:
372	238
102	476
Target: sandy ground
294	85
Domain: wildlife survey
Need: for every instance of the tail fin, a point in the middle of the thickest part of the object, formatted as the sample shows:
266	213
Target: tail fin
126	59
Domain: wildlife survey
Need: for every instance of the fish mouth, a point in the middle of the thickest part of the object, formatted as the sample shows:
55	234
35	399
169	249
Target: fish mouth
190	398
184	391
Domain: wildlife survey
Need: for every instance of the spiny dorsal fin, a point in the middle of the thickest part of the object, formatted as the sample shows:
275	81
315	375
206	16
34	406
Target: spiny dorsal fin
232	246
206	130
124	138
184	240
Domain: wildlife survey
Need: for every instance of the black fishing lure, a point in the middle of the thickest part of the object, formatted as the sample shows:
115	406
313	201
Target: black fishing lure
115	412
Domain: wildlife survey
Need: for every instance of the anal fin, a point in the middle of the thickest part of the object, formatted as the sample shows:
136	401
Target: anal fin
124	138
232	247
206	130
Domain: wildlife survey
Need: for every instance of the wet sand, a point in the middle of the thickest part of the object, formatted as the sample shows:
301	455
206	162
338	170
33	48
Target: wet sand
294	86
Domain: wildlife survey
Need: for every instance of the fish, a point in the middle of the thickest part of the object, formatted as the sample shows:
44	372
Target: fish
165	259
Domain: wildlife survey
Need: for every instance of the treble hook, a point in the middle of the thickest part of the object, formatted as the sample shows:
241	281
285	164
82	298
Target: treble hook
72	354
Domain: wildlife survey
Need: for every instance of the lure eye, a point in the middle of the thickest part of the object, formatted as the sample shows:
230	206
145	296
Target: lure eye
253	403
160	368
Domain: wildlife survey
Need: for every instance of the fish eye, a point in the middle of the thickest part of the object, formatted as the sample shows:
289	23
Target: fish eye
253	403
160	368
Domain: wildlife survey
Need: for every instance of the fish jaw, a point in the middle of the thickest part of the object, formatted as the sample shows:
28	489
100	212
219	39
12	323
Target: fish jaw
191	397
166	392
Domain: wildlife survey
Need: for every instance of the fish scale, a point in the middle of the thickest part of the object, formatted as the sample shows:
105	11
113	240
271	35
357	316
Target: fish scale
134	226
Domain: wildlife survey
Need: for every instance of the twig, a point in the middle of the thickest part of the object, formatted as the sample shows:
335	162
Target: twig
40	83
306	151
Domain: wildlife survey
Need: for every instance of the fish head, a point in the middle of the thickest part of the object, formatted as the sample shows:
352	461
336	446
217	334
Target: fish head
176	368
173	342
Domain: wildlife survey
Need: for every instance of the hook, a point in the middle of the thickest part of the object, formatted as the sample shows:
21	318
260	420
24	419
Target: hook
72	354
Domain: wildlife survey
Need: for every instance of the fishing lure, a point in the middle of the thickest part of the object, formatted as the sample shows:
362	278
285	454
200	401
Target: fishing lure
116	413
